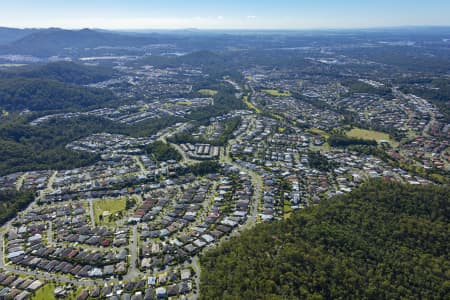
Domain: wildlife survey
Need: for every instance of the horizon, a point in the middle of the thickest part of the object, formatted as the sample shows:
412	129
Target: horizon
232	15
193	29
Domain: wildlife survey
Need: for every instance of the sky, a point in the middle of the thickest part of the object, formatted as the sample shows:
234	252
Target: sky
229	14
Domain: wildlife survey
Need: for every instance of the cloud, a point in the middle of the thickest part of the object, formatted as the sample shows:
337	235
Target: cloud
251	17
220	17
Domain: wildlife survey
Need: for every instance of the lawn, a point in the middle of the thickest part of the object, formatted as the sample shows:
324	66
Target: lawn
370	135
325	147
45	293
106	208
287	210
186	103
250	105
207	92
276	116
276	93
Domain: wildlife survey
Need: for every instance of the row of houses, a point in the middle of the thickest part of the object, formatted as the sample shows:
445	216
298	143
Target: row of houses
200	151
177	282
229	207
18	287
102	143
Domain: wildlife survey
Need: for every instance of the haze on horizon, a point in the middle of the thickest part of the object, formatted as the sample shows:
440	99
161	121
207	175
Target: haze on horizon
231	14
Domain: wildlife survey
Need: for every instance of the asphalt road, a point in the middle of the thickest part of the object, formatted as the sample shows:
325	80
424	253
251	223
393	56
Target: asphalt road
133	272
91	213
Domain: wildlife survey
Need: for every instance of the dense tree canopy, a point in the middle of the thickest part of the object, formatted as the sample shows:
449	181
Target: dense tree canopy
229	127
224	102
382	241
340	140
204	167
361	87
17	94
320	162
67	72
12	201
24	147
162	152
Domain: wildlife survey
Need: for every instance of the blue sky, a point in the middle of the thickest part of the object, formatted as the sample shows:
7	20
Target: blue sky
229	14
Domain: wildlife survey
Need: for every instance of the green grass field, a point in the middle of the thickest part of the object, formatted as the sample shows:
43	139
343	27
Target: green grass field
107	207
207	92
325	147
45	293
277	116
276	93
370	135
186	103
250	105
287	210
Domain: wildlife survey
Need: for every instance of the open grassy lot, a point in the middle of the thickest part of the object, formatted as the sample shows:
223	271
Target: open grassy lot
324	147
281	129
207	92
287	210
106	208
186	103
251	105
276	116
370	135
45	293
276	93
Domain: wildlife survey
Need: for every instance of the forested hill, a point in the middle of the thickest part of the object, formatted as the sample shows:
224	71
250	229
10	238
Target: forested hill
12	201
9	35
53	41
48	95
67	72
382	241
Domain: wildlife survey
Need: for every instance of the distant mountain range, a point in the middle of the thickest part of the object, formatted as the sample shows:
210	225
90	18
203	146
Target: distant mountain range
47	42
44	43
9	35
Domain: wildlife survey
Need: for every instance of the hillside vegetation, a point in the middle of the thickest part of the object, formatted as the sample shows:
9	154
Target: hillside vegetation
39	94
382	241
67	72
24	147
54	41
12	201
